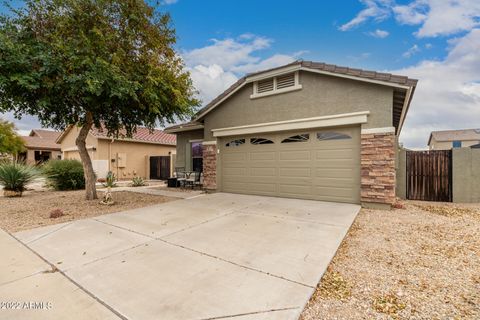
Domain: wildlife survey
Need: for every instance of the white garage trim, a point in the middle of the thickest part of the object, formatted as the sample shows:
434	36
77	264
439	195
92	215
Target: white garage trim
378	130
306	123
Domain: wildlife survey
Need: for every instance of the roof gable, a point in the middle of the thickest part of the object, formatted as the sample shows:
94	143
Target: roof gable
42	139
404	86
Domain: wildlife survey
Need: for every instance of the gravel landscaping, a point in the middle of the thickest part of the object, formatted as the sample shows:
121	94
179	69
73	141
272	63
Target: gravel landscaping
34	208
418	262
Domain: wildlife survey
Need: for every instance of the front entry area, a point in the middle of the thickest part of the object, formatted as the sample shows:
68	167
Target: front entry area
321	164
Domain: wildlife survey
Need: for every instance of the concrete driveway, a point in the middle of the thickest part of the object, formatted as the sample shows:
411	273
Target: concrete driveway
218	256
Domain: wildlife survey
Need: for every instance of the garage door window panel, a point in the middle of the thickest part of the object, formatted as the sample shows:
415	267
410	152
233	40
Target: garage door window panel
235	143
257	141
304	137
332	135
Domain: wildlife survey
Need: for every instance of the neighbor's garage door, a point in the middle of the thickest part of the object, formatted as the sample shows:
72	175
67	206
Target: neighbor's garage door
310	164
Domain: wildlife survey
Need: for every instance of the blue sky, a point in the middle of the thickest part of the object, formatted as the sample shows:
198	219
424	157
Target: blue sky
435	41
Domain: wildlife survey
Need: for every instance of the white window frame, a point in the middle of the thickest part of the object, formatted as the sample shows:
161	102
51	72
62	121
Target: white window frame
295	87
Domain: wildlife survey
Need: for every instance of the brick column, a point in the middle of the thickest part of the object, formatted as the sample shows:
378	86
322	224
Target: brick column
378	169
210	166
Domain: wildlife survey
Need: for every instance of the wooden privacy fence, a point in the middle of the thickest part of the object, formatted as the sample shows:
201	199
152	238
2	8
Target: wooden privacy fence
429	175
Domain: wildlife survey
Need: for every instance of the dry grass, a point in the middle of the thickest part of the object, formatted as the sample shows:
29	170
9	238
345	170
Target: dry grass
421	262
34	208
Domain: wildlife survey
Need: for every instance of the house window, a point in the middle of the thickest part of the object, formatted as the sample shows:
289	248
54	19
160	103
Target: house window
297	138
278	84
331	135
457	144
235	143
260	141
197	156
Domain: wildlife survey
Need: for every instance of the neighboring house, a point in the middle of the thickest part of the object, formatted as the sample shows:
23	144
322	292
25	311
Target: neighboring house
147	154
449	139
41	146
304	130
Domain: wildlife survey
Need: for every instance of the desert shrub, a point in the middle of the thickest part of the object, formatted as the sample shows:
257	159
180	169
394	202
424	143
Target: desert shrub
138	182
64	174
110	180
56	213
16	176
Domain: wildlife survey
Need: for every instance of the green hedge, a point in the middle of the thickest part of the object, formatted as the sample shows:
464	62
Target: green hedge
64	174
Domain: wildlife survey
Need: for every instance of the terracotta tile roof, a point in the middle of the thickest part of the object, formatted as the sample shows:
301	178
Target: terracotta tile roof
346	71
141	135
452	135
36	142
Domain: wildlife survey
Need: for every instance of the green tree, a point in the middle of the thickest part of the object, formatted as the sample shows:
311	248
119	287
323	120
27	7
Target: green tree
92	63
10	142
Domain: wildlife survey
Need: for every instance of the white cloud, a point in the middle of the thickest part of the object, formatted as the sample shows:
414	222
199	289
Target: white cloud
227	53
435	17
411	14
211	80
379	33
375	9
217	66
271	62
167	2
446	17
412	51
439	17
448	92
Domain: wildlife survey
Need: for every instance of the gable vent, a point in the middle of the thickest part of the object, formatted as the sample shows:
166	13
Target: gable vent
265	85
286	81
281	83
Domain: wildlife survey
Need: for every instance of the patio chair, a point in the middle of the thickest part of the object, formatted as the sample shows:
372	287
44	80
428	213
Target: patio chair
180	175
195	180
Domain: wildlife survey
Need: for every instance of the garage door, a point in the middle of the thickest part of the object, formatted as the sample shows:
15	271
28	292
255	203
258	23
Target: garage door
319	164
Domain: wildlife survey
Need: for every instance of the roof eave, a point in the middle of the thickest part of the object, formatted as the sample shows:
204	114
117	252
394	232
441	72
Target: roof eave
136	141
183	128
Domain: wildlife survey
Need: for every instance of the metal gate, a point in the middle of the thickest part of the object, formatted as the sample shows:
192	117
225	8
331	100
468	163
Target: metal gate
160	167
429	175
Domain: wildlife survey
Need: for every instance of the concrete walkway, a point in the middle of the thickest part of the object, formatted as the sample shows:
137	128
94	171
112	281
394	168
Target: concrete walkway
217	256
29	289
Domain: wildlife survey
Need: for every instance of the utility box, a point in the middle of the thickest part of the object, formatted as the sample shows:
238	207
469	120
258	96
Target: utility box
121	160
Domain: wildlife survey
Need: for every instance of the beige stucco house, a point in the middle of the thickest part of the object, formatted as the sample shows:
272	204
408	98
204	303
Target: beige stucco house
304	130
449	139
40	146
146	154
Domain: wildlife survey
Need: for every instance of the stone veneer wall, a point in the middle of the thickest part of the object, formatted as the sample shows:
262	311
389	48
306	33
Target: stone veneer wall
210	166
378	168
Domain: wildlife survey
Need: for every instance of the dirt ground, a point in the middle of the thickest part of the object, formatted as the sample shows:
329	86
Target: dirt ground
33	208
420	262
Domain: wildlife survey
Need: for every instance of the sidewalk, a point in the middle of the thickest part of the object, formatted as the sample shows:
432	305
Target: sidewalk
31	289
